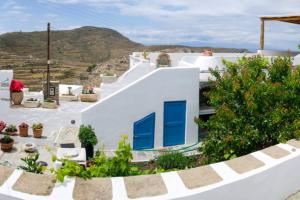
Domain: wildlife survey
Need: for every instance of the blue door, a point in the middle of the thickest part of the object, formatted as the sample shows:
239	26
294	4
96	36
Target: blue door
143	133
174	123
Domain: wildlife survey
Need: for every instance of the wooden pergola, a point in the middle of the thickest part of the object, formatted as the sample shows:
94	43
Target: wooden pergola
294	19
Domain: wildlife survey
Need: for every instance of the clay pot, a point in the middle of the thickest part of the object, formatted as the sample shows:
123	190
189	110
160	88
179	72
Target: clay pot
17	97
7	147
23	132
37	133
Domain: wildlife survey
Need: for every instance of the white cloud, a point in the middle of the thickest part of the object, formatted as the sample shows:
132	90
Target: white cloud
178	21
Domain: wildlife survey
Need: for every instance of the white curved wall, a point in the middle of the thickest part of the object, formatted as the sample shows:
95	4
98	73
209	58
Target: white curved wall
139	70
115	115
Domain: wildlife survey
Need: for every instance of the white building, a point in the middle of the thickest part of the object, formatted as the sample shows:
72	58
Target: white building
156	100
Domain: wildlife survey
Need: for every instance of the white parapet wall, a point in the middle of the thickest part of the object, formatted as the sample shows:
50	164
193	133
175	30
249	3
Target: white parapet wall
5	78
115	115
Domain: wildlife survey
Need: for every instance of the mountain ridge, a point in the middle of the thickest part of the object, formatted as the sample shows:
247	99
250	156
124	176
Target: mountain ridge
78	56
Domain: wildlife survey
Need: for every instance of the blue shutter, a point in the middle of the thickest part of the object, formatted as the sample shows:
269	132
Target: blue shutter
143	133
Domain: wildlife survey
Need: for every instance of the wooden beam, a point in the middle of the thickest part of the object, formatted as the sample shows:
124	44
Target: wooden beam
262	34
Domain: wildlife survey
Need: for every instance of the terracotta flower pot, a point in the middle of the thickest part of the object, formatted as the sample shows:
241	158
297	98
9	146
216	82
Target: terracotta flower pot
7	147
88	97
17	97
37	133
23	132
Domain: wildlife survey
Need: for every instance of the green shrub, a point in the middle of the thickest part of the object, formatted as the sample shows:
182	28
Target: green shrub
118	165
91	67
32	165
67	73
257	105
11	128
175	160
87	135
6	139
71	168
102	166
37	126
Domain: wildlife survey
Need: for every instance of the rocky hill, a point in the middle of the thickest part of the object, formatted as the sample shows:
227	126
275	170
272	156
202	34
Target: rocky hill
78	55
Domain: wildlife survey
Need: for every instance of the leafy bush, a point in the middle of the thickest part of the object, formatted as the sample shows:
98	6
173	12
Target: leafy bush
11	128
91	67
257	105
32	165
102	166
175	160
87	135
119	165
6	139
68	73
37	126
108	73
71	168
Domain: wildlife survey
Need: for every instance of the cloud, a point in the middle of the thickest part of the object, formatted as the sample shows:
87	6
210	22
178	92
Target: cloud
178	21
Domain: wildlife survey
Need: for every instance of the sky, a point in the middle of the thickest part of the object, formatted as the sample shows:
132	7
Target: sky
216	23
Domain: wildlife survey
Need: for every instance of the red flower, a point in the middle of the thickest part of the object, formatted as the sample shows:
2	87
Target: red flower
2	126
16	86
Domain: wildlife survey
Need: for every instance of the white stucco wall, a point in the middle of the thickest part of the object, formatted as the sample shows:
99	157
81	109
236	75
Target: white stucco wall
5	78
64	89
116	114
139	70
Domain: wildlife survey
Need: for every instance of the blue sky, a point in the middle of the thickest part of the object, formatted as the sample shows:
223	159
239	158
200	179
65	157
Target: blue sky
218	23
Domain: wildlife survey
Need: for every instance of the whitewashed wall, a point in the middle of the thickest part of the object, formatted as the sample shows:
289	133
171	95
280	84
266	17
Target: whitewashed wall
139	70
115	115
75	89
5	78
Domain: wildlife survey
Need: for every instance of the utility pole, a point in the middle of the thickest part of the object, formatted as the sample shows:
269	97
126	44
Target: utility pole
48	61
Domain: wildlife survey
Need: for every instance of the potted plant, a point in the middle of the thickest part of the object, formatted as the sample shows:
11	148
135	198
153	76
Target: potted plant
6	143
31	103
88	140
37	130
88	95
2	126
23	130
16	89
108	77
11	130
49	103
70	96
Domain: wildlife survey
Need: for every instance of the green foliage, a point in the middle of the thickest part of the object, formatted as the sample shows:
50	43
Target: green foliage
257	105
11	128
108	73
175	160
118	165
91	67
49	100
145	55
6	139
32	165
37	126
71	168
67	73
102	166
87	135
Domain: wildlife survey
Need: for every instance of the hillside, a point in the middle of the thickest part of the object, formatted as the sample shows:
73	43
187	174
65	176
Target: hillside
78	55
